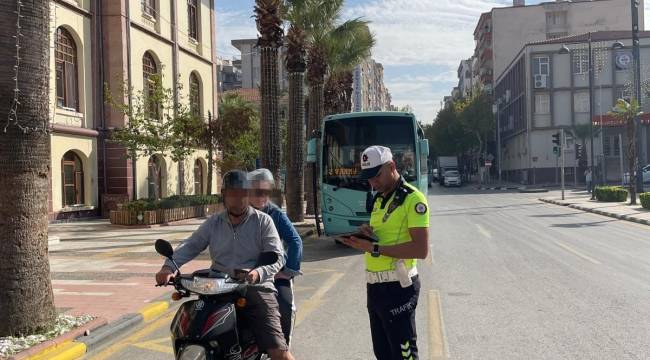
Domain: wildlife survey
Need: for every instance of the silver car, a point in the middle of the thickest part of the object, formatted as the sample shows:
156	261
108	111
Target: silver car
452	178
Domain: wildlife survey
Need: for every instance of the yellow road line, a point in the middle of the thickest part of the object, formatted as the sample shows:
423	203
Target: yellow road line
577	253
484	232
134	338
437	348
155	345
315	300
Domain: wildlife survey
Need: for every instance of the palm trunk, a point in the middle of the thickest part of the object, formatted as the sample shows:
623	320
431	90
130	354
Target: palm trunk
348	88
631	158
270	129
330	96
315	119
296	134
26	304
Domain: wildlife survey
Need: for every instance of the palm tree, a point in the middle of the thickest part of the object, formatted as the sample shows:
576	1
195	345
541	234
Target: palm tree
26	304
325	26
347	48
296	13
627	111
269	25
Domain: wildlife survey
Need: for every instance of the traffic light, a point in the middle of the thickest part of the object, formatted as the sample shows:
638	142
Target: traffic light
556	139
556	150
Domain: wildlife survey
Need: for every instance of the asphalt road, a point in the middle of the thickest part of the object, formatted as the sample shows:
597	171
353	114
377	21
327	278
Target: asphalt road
510	278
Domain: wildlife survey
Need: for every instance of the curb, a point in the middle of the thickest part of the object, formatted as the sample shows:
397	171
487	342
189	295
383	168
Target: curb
76	343
60	344
53	240
599	212
118	327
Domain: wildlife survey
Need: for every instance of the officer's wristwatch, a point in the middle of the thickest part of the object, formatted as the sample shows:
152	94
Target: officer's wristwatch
375	250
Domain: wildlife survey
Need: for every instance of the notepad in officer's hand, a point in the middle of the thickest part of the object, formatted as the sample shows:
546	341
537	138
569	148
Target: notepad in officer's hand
358	235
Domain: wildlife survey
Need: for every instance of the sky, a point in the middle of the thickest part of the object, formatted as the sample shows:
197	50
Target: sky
419	42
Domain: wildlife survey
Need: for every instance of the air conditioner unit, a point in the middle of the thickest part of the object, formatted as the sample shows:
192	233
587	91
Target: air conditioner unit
540	81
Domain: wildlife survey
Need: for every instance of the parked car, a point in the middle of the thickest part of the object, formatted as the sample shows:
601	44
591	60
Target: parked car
452	178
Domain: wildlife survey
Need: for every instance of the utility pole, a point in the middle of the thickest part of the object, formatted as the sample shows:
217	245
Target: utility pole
563	140
637	95
562	145
591	114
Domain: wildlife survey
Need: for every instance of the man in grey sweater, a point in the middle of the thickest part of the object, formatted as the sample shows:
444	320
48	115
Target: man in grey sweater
235	239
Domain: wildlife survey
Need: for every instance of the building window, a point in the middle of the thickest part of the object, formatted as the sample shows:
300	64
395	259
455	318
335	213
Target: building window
606	146
66	70
542	104
149	73
581	102
72	175
155	177
556	18
149	8
540	65
580	64
195	95
193	19
198	178
617	149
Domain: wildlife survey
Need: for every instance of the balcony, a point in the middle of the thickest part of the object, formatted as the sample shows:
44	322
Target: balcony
486	55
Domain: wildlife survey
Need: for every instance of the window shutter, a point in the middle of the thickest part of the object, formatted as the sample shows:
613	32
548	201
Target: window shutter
71	86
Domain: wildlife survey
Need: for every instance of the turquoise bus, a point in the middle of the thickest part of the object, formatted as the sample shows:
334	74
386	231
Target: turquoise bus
338	147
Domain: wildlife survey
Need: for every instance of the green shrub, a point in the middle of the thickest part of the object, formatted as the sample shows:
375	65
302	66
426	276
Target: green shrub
645	200
610	193
172	202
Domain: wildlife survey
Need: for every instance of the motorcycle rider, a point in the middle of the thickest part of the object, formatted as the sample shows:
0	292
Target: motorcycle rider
236	237
262	183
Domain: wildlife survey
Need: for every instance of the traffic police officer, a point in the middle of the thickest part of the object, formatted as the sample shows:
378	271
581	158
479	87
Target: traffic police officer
399	222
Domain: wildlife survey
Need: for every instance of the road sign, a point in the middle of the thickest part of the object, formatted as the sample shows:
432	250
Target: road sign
488	163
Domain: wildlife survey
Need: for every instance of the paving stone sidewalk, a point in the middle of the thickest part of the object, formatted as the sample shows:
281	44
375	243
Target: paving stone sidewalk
581	200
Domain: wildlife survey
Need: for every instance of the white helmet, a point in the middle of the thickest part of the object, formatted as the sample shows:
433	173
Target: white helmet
261	175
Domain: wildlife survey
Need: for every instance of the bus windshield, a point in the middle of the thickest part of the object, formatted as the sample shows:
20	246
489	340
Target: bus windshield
345	140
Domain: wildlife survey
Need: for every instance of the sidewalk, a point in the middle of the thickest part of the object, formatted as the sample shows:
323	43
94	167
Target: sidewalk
580	199
108	272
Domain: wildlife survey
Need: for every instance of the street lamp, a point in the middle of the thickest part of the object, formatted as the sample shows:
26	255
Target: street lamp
565	50
495	111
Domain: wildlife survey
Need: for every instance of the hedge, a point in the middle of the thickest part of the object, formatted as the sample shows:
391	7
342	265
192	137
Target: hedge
610	193
645	200
172	202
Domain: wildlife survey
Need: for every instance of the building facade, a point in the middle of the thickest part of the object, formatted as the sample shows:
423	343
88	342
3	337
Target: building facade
251	66
369	91
500	33
229	76
465	77
543	91
98	44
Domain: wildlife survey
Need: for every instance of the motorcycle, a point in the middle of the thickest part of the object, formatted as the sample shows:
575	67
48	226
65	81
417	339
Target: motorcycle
212	326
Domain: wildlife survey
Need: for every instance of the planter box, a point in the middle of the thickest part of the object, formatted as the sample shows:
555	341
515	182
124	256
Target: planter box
161	216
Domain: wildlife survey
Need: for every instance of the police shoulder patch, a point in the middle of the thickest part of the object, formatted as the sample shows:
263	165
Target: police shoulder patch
420	208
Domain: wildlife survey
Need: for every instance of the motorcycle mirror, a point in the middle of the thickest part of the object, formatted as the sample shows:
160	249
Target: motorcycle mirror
164	248
267	258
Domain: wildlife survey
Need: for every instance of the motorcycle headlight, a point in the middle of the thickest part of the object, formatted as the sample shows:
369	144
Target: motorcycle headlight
193	352
208	286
